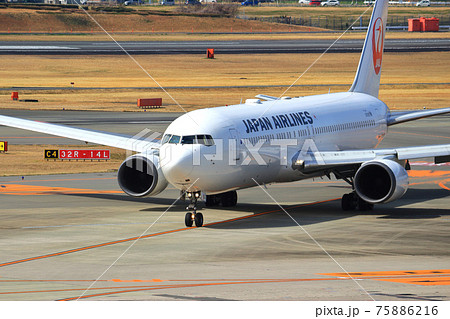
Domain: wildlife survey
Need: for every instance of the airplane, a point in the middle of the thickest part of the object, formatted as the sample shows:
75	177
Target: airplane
211	153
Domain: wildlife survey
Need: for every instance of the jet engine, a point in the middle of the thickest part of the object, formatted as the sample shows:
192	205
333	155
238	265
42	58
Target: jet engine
141	175
381	181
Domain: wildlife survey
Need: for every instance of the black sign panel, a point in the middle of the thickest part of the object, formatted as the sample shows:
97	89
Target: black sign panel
51	154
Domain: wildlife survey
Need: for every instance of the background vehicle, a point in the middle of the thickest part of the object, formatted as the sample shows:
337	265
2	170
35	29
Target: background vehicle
132	3
330	3
250	3
423	3
303	2
168	2
315	3
193	2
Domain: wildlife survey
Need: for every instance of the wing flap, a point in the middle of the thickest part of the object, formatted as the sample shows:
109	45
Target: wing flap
137	143
415	152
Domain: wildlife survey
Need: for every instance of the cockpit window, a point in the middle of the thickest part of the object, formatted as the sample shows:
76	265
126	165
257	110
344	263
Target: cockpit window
166	138
175	139
188	139
205	140
198	139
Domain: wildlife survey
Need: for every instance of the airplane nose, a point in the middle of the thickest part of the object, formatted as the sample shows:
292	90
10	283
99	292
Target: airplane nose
177	164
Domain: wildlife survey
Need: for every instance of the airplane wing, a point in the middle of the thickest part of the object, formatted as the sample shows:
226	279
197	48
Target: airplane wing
316	160
136	143
401	117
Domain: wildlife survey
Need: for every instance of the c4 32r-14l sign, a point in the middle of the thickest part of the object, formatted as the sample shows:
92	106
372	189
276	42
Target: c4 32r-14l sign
77	154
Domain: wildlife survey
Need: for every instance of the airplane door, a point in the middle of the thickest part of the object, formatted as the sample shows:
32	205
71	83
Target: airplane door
311	133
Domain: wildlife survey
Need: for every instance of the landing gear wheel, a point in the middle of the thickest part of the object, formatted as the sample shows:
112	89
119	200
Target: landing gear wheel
229	199
349	202
188	220
209	202
363	205
198	219
192	216
212	200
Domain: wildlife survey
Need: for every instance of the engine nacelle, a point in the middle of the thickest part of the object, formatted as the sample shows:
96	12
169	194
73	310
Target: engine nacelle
381	181
141	175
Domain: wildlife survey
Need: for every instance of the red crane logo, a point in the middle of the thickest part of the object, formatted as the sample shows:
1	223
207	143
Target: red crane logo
377	44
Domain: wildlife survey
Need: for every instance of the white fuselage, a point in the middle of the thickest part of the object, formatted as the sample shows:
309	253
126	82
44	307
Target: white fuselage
247	139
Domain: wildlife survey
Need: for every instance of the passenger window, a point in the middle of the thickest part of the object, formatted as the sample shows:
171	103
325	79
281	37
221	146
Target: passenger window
175	139
188	139
166	138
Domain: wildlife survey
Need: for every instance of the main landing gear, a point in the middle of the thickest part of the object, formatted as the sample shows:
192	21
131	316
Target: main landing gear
352	201
228	199
193	217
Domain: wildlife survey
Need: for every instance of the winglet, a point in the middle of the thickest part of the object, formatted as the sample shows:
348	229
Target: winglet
367	79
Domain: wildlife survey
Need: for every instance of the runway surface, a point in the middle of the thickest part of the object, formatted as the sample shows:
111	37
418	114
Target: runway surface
221	47
62	232
203	87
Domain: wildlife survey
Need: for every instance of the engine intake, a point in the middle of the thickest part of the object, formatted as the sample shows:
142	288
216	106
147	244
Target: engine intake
381	181
140	175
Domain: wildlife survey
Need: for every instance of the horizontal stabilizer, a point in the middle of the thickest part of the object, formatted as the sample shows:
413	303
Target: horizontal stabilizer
266	97
401	117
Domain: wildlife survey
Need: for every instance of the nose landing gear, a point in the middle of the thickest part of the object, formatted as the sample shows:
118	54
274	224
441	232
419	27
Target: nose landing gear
192	216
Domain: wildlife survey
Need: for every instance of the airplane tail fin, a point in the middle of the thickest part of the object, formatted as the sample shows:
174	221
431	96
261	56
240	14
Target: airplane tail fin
367	79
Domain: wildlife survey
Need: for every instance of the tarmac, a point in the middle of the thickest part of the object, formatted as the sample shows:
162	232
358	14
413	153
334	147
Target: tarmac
220	47
77	236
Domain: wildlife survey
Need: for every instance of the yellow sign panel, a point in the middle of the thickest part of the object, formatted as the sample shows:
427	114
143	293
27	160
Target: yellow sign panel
3	146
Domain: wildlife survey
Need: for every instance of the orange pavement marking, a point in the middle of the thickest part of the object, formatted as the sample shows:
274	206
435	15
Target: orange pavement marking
58	180
425	281
440	277
65	290
442	184
428	173
422	281
49	280
199	285
390	273
91	247
150	235
137	280
171	286
269	212
17	189
5	137
293	184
